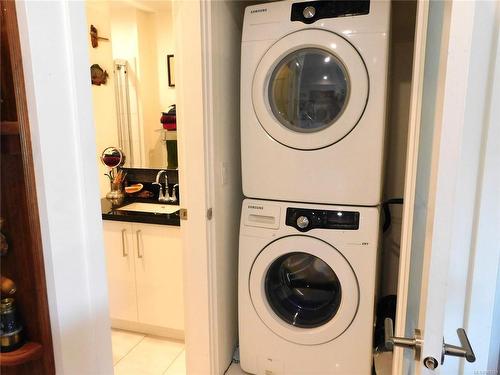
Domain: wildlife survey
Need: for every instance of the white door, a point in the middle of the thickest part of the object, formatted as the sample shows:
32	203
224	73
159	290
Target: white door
450	246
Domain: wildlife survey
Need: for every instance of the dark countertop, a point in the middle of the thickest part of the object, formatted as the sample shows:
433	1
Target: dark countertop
111	213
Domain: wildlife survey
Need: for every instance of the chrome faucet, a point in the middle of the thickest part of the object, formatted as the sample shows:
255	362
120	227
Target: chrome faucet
174	198
162	197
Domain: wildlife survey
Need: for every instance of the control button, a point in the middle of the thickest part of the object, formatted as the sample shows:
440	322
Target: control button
309	12
302	222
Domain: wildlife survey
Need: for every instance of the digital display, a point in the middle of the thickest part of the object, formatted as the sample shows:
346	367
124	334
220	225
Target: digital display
307	219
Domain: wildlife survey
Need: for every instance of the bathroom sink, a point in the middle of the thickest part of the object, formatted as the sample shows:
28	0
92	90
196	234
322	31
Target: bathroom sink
156	208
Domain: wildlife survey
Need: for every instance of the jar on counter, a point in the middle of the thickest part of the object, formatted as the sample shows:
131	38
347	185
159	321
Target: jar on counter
10	327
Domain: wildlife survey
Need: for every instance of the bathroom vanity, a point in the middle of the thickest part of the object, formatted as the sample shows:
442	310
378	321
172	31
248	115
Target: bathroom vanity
144	267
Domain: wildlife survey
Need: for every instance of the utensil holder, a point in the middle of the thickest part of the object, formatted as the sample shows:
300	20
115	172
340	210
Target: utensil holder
116	195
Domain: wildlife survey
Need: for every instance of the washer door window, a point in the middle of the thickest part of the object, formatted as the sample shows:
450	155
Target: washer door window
310	89
304	290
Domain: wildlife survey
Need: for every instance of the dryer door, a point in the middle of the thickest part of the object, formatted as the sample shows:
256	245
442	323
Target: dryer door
310	89
304	290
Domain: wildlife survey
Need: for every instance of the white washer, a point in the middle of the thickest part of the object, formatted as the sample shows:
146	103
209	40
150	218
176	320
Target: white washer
306	288
313	98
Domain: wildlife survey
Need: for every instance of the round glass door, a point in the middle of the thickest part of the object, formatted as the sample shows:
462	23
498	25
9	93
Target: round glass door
308	90
303	290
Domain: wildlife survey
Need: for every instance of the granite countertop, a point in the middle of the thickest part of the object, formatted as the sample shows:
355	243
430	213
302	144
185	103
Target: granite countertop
111	213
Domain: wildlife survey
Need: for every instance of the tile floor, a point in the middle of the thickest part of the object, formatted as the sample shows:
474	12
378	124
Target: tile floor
235	369
138	354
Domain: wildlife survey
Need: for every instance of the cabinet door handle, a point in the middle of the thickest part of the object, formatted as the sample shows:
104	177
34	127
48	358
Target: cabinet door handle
124	247
139	252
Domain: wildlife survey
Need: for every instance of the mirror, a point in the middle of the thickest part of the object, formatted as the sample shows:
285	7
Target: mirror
112	157
129	108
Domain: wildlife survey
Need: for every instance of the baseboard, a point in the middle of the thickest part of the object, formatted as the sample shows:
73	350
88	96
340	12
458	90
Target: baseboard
148	329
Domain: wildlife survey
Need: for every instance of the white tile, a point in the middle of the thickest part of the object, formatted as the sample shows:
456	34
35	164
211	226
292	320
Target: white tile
179	365
151	357
123	342
383	363
235	369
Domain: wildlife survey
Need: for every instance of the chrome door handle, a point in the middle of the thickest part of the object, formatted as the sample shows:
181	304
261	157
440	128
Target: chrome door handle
139	253
414	343
462	351
124	251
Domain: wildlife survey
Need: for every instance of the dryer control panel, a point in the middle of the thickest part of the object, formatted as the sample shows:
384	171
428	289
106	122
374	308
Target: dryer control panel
307	219
310	11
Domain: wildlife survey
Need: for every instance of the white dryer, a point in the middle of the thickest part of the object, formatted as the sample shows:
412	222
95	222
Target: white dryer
306	288
313	98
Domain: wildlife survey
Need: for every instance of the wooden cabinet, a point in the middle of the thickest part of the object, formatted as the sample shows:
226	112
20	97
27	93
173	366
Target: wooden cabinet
24	261
144	263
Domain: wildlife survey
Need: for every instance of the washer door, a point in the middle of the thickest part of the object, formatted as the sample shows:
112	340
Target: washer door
310	89
304	290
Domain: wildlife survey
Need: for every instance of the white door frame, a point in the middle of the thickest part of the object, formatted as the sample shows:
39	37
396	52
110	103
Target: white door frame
54	40
213	32
194	148
55	60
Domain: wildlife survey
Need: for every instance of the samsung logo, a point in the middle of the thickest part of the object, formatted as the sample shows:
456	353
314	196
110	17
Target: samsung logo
256	207
261	10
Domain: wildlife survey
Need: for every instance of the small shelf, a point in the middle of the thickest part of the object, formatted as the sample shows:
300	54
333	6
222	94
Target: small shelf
9	128
30	351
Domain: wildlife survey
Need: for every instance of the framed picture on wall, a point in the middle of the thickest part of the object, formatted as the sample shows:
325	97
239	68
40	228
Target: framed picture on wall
171	70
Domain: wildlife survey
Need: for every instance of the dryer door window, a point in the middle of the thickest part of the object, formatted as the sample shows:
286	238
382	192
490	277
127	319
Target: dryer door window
309	90
303	290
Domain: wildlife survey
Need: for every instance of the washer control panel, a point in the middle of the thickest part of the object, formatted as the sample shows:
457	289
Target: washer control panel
307	219
311	11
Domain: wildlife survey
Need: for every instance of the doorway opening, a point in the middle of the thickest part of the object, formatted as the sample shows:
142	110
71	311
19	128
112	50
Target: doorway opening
132	57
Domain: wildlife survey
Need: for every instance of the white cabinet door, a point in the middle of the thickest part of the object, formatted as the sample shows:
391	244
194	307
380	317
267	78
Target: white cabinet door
120	268
159	275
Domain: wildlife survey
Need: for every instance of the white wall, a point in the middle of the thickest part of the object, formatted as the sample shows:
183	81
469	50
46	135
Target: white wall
165	39
144	38
125	47
103	97
149	89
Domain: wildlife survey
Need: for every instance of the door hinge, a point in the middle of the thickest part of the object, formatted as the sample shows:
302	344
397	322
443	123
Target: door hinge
183	213
209	213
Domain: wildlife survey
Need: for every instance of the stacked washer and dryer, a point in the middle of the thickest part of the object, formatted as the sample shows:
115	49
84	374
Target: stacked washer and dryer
313	98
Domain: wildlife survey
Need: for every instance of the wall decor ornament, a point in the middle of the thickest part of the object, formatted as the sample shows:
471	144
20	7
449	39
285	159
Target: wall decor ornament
98	75
171	70
94	37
